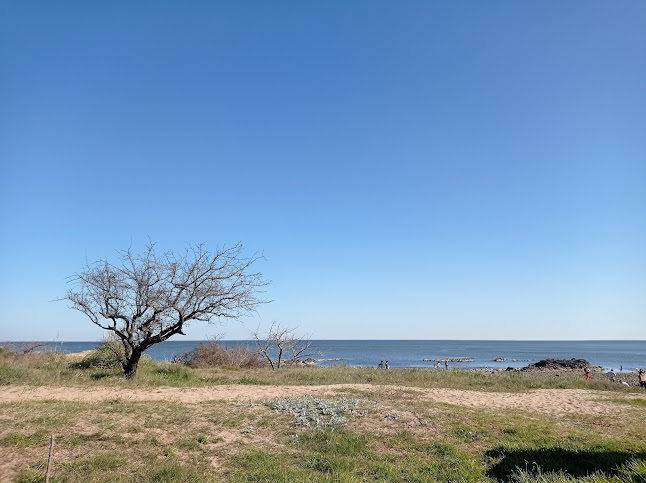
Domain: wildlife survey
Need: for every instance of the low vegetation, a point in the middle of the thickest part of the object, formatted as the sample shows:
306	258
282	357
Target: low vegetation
101	368
308	410
107	355
215	354
350	435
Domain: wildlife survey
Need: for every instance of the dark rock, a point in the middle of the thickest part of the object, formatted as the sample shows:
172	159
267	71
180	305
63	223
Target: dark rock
572	364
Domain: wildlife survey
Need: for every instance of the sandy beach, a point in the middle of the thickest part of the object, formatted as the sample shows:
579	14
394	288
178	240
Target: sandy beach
548	401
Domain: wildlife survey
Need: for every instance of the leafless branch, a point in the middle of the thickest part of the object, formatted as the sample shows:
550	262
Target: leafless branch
278	342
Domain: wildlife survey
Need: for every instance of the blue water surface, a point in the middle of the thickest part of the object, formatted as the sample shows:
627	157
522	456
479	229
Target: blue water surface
410	353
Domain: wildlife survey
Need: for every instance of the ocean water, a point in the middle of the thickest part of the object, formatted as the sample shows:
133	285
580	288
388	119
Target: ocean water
410	353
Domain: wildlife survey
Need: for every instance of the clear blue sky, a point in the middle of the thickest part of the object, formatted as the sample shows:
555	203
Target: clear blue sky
411	170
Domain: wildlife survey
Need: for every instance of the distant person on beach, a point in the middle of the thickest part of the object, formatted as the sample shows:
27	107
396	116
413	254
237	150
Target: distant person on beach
437	365
381	365
611	375
642	378
387	366
446	364
587	375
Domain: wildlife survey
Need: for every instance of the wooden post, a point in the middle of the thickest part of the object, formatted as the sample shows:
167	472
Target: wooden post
49	458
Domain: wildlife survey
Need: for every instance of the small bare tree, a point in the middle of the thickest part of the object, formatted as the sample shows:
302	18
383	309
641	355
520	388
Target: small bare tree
280	344
147	298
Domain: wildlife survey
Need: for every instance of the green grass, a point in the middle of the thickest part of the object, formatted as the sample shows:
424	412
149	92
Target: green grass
344	455
195	442
105	467
640	403
252	381
22	440
165	441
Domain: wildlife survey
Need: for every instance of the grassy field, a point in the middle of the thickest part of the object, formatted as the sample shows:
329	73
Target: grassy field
350	436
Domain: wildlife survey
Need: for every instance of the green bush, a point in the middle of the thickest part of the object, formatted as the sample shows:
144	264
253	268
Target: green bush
106	356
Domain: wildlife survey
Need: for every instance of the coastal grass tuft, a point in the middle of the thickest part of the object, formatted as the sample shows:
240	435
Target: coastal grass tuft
195	442
172	374
23	440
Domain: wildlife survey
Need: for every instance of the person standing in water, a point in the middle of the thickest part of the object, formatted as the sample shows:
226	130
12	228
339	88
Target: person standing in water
446	364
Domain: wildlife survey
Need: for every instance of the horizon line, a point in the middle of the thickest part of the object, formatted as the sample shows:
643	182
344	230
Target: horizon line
361	340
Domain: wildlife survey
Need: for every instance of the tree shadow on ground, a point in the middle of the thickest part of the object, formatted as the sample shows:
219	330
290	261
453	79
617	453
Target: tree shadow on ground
576	463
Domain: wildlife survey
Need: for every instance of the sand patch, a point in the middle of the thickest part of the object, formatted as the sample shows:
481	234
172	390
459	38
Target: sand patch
77	356
548	401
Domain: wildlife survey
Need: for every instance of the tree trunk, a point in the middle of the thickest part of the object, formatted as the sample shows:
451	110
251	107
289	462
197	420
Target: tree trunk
130	366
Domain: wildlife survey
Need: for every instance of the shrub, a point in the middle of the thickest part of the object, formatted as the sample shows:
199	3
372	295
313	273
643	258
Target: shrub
16	355
215	354
107	355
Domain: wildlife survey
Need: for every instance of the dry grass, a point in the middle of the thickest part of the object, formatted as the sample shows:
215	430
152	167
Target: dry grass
397	439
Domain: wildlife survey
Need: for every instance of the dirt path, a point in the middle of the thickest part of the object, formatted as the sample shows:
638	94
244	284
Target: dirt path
550	401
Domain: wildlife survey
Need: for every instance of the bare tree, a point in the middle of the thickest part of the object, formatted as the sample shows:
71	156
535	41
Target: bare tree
147	298
280	344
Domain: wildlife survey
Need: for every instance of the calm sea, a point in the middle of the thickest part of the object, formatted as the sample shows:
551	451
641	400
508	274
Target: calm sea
411	353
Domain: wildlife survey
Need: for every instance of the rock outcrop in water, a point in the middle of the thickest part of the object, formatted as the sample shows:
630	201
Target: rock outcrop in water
559	364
